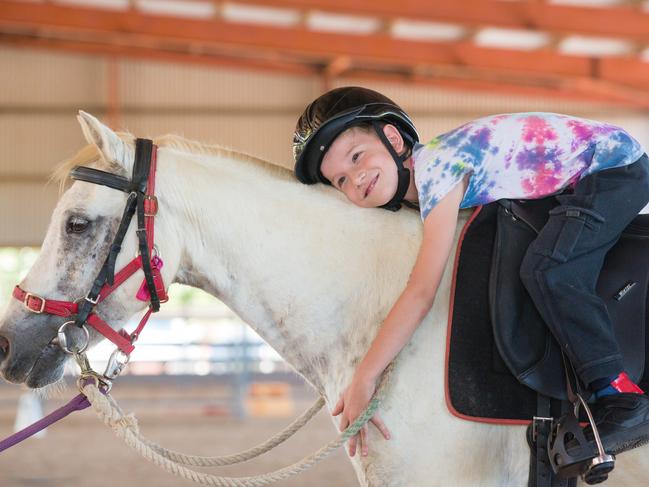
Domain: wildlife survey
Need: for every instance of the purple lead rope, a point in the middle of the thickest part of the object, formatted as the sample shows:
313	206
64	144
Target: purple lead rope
78	403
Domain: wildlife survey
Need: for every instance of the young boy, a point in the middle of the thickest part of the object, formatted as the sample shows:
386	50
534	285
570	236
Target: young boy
364	145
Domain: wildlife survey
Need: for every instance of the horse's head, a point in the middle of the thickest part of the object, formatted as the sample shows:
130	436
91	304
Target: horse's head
83	227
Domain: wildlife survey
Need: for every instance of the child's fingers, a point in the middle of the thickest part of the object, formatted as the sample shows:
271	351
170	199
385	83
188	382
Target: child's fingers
338	408
364	445
376	421
352	445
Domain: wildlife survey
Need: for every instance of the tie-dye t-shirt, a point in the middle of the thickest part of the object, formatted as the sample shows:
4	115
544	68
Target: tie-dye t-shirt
518	156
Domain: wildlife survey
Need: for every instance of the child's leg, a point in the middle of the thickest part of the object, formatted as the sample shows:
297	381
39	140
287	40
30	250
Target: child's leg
561	267
560	271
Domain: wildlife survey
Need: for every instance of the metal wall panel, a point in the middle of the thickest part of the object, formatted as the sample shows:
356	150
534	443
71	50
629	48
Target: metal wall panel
267	135
41	79
25	210
190	87
31	144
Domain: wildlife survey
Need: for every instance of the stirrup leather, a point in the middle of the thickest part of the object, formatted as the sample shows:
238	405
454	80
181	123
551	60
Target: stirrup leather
592	464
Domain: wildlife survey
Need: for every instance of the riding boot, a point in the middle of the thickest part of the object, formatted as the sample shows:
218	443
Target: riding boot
622	421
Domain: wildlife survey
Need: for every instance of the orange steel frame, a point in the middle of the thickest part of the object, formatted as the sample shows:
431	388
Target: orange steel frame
626	22
298	50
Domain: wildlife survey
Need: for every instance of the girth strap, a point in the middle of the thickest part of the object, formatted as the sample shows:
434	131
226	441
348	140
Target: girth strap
541	474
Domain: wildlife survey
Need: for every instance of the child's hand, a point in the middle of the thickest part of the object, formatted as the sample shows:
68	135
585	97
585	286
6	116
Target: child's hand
352	403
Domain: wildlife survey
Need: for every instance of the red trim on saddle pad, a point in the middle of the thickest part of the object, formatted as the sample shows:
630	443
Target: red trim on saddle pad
447	396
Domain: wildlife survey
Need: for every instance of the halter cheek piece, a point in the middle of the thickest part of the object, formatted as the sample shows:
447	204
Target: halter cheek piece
141	201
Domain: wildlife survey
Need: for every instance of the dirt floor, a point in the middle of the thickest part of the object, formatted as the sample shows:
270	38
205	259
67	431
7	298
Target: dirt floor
80	451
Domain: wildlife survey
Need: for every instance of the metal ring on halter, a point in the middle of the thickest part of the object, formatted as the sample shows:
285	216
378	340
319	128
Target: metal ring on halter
101	384
87	374
154	253
63	341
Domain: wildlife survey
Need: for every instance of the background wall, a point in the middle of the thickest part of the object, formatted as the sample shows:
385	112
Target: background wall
250	110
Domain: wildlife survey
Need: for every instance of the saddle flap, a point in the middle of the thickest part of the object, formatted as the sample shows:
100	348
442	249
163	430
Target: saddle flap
527	347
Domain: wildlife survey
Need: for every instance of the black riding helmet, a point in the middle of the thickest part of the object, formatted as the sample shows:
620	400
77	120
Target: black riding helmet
339	109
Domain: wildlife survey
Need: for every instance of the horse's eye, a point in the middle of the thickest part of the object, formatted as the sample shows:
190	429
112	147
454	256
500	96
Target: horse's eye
76	224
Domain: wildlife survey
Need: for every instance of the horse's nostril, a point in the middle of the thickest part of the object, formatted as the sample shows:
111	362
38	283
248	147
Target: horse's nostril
4	348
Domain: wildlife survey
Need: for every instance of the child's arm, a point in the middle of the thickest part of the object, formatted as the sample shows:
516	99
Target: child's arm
406	314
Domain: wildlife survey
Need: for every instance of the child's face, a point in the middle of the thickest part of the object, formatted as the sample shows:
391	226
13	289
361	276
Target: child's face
359	165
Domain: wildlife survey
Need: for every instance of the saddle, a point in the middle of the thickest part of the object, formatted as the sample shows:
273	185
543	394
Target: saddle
503	364
500	354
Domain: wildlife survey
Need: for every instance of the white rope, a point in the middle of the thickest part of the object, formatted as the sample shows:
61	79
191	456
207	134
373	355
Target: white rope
200	461
125	427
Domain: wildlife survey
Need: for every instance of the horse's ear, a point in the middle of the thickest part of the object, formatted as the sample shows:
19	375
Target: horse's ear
111	147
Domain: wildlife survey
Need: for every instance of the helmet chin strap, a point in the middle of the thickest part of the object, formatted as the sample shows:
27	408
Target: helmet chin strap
403	172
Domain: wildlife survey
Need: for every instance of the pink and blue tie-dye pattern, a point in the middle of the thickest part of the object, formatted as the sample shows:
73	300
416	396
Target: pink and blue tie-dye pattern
520	156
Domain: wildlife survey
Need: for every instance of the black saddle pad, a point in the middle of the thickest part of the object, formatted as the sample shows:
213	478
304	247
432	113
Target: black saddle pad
479	386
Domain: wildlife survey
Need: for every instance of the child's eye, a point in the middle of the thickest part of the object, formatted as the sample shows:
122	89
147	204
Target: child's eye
356	156
341	181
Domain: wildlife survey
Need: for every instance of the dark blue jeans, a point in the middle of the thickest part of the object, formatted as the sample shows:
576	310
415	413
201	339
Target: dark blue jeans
562	265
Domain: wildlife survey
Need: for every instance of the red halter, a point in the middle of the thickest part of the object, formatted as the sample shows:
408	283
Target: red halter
152	288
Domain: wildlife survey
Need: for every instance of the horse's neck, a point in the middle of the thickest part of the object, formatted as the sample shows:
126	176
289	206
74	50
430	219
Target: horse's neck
289	261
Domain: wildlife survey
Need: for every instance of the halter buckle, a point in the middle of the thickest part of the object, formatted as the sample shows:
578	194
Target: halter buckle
26	303
536	422
150	209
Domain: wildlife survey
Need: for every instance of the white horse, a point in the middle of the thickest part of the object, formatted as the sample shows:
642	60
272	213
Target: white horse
312	274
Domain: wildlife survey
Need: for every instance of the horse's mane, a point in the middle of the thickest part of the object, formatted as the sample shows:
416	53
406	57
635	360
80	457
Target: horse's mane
90	154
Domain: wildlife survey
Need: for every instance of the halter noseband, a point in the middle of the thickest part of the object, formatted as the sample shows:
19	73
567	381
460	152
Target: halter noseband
141	201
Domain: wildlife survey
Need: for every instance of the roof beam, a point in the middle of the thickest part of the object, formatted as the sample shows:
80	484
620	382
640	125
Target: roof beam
337	67
139	29
566	89
446	77
626	22
126	51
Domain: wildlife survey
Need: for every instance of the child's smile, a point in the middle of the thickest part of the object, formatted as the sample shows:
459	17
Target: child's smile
370	186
